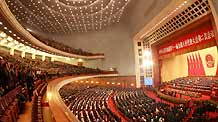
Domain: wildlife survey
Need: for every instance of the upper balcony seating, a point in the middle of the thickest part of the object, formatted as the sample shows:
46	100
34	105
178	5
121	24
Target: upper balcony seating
16	68
13	73
65	48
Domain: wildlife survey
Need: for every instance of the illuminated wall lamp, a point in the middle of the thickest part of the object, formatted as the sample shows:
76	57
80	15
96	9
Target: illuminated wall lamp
147	53
80	60
10	38
10	44
12	51
16	42
43	57
16	46
3	41
147	63
2	34
23	54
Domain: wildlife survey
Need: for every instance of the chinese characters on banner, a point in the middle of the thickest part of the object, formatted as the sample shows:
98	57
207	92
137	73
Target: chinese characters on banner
200	36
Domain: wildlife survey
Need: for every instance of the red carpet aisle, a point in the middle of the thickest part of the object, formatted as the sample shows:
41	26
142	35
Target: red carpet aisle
155	97
212	114
26	115
114	109
203	97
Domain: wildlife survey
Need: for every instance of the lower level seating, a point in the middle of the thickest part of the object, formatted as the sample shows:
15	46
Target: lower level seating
190	86
9	106
205	113
88	103
37	115
139	107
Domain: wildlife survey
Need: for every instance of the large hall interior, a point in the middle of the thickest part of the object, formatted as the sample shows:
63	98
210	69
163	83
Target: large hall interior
108	60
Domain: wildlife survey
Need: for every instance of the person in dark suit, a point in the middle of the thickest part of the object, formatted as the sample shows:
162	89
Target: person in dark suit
4	77
30	83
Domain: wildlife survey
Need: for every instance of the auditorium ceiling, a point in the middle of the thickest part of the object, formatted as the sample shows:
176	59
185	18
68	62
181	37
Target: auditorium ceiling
67	16
70	16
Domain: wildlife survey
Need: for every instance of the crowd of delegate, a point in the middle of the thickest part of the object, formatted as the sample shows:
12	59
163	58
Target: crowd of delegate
20	79
89	102
137	106
205	113
15	71
190	86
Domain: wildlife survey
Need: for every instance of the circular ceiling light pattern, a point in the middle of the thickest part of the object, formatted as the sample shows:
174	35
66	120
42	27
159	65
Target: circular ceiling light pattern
67	16
77	2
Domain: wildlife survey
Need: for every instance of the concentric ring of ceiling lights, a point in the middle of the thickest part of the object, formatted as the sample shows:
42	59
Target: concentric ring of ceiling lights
66	16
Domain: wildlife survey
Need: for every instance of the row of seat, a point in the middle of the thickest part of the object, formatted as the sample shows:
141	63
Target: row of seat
37	114
138	107
192	85
201	90
205	113
174	91
88	103
9	107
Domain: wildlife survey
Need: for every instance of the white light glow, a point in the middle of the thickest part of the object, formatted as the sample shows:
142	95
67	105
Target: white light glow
33	56
147	53
43	57
3	41
12	51
16	46
9	38
80	60
68	59
23	54
16	42
52	59
49	96
29	29
10	44
2	34
147	63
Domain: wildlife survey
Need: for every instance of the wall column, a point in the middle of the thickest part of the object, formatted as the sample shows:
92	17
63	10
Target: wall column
138	48
214	9
156	67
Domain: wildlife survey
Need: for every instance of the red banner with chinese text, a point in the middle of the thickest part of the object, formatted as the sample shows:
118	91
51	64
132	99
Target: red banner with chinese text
201	36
